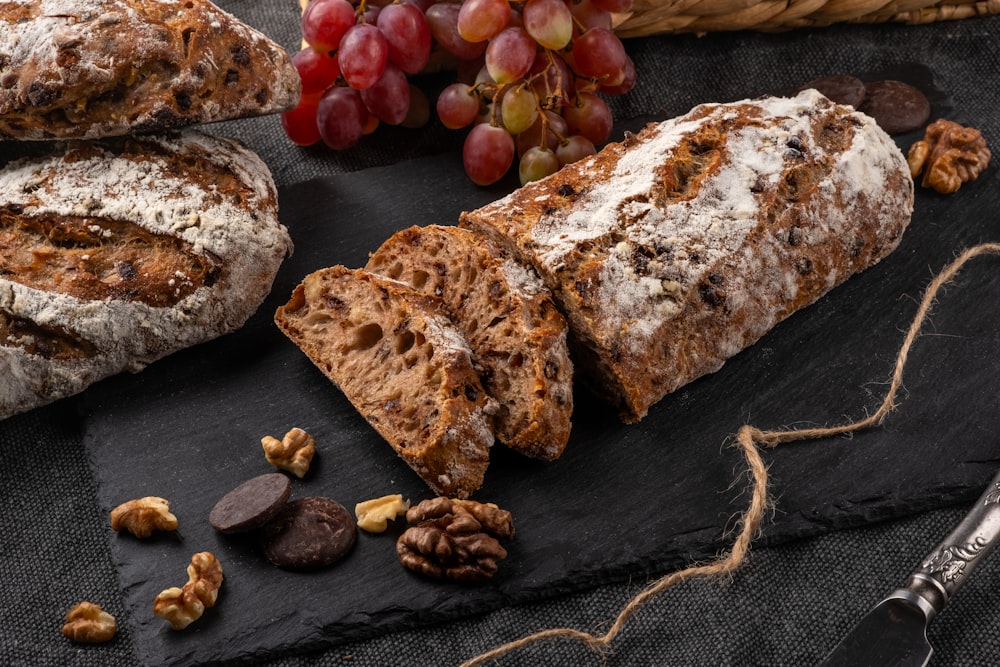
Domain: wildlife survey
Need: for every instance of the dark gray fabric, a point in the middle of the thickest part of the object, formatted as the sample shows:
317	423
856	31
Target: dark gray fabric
785	607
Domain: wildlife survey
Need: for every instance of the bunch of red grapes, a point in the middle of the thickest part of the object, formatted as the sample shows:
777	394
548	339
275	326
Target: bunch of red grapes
531	76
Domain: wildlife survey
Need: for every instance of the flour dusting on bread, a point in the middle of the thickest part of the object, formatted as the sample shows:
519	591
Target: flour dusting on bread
127	250
677	248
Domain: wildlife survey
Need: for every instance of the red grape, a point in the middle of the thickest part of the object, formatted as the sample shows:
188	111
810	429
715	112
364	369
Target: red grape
589	15
590	116
478	20
626	84
509	55
341	117
300	123
317	71
598	54
389	97
549	22
362	55
487	153
408	35
519	109
574	148
442	18
537	162
324	23
457	106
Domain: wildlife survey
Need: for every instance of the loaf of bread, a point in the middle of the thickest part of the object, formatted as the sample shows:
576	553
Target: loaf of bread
402	364
672	251
517	337
115	253
95	68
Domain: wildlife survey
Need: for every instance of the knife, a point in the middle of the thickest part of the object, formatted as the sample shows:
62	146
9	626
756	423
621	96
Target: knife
894	632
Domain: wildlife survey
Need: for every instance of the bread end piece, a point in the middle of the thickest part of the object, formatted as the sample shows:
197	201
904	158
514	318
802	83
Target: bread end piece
405	368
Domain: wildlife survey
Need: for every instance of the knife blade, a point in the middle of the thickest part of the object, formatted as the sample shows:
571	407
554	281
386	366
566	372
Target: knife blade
894	632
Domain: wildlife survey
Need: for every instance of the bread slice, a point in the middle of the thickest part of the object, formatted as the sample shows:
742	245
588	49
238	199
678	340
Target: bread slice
677	248
95	68
115	253
517	336
402	364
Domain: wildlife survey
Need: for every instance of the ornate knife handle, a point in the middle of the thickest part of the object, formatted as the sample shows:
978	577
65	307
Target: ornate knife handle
947	568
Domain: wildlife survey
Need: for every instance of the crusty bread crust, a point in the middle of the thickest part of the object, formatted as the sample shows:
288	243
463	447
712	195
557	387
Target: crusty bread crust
116	253
95	68
517	337
403	365
677	248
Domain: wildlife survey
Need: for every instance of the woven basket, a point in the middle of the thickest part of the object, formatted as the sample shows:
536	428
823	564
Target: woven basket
651	17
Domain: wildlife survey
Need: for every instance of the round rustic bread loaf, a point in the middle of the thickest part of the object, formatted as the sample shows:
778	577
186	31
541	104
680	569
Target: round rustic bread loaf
116	253
96	68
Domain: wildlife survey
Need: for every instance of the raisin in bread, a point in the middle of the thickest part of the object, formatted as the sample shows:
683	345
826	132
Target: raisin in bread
403	365
677	248
94	68
517	336
115	253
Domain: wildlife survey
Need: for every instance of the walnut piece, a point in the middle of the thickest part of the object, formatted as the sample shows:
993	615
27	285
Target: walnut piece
374	514
455	539
88	623
142	516
948	156
293	453
183	606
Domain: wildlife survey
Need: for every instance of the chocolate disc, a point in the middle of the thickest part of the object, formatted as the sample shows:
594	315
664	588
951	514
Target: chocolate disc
251	504
309	533
839	88
896	106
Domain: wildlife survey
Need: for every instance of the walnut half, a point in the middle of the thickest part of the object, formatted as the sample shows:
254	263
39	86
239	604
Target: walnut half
948	155
88	623
455	539
183	606
142	516
293	453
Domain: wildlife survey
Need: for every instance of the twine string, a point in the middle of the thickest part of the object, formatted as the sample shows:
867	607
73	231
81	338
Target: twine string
750	440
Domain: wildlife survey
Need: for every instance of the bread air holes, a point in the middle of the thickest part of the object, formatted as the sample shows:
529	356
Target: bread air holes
365	337
407	340
419	279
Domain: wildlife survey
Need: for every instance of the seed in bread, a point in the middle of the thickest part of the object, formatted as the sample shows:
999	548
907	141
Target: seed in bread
677	248
118	252
403	365
95	68
517	337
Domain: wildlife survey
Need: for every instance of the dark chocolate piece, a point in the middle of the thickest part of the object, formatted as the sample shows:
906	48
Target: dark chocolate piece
251	504
897	107
839	88
308	534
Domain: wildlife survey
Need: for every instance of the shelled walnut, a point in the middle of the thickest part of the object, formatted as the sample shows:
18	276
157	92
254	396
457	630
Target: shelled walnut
88	623
142	516
948	155
182	606
455	539
293	453
373	515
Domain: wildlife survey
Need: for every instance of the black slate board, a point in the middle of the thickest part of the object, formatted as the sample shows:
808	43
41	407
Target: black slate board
623	502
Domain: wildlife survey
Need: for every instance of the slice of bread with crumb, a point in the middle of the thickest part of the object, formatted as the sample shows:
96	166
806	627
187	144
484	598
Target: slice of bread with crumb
517	336
400	361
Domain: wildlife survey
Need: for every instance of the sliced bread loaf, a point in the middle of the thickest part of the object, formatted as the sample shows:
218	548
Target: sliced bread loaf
397	357
517	336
